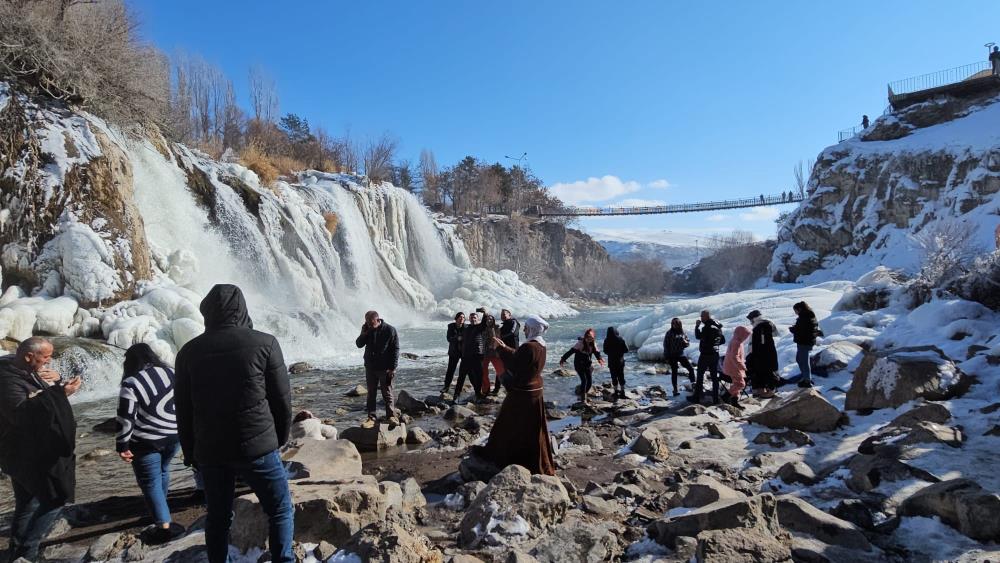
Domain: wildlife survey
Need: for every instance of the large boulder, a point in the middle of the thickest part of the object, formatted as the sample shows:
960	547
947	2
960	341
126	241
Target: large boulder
797	472
389	542
927	412
331	511
321	460
579	541
758	513
893	440
411	406
890	379
741	545
651	443
515	506
960	503
704	490
800	516
378	437
866	472
804	409
834	357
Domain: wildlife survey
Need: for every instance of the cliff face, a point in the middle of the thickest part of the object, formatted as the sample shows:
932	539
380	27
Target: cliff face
546	254
877	198
68	222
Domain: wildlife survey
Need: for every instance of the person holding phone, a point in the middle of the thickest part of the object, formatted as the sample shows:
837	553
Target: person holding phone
381	344
37	442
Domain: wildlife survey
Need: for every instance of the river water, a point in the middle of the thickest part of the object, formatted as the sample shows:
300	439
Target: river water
324	393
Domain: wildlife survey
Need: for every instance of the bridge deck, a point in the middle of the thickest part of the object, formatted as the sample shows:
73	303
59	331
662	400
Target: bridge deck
674	208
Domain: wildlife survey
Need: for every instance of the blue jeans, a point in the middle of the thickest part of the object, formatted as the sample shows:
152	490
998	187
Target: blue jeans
152	473
31	523
268	479
802	358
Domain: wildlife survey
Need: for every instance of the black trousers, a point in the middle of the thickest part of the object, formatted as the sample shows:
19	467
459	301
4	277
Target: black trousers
617	369
586	374
453	362
708	361
684	361
472	368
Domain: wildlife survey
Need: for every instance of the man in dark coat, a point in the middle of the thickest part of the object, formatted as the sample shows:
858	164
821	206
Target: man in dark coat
455	333
233	402
708	332
510	329
37	443
762	363
473	349
381	344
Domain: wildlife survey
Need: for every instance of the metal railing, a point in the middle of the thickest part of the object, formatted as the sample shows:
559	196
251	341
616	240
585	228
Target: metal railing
845	134
790	197
940	78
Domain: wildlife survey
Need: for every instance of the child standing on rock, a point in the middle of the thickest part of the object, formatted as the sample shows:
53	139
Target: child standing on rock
735	366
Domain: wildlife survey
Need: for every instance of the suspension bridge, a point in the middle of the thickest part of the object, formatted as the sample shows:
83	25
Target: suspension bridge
761	201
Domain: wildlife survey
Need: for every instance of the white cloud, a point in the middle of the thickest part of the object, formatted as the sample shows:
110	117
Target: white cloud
593	189
718	217
760	214
635	202
660	184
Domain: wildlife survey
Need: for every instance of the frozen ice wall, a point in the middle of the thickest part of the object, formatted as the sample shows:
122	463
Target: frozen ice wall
312	255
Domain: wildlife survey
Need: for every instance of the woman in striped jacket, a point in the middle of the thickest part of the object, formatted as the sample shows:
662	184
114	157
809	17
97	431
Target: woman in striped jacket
147	432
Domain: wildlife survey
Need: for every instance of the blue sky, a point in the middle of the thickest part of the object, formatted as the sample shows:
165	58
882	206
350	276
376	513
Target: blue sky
612	101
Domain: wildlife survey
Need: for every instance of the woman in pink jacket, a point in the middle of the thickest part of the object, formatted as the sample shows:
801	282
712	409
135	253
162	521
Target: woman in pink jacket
735	365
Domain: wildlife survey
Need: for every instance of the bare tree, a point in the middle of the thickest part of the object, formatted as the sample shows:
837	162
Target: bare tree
65	5
263	95
377	158
947	248
429	177
90	56
802	176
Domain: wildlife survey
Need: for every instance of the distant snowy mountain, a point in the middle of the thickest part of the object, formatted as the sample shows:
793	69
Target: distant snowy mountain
671	248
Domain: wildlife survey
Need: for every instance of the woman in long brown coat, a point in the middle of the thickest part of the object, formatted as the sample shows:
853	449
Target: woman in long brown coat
520	434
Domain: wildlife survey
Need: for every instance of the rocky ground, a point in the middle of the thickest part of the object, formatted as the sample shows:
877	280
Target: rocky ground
650	478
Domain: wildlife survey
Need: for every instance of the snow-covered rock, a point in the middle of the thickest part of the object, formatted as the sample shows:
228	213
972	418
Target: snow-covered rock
870	197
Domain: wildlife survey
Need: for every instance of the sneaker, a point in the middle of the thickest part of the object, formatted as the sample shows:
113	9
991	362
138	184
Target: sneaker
370	423
676	392
155	535
805	384
392	421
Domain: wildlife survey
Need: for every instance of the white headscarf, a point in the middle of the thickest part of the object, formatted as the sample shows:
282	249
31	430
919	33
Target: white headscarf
534	327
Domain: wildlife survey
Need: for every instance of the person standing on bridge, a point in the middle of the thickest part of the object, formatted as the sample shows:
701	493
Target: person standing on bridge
995	60
761	198
864	122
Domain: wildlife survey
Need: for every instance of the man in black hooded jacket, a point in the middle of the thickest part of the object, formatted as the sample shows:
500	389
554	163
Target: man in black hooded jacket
233	413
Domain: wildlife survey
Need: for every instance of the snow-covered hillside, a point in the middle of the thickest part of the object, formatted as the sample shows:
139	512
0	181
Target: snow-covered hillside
873	197
112	236
672	249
